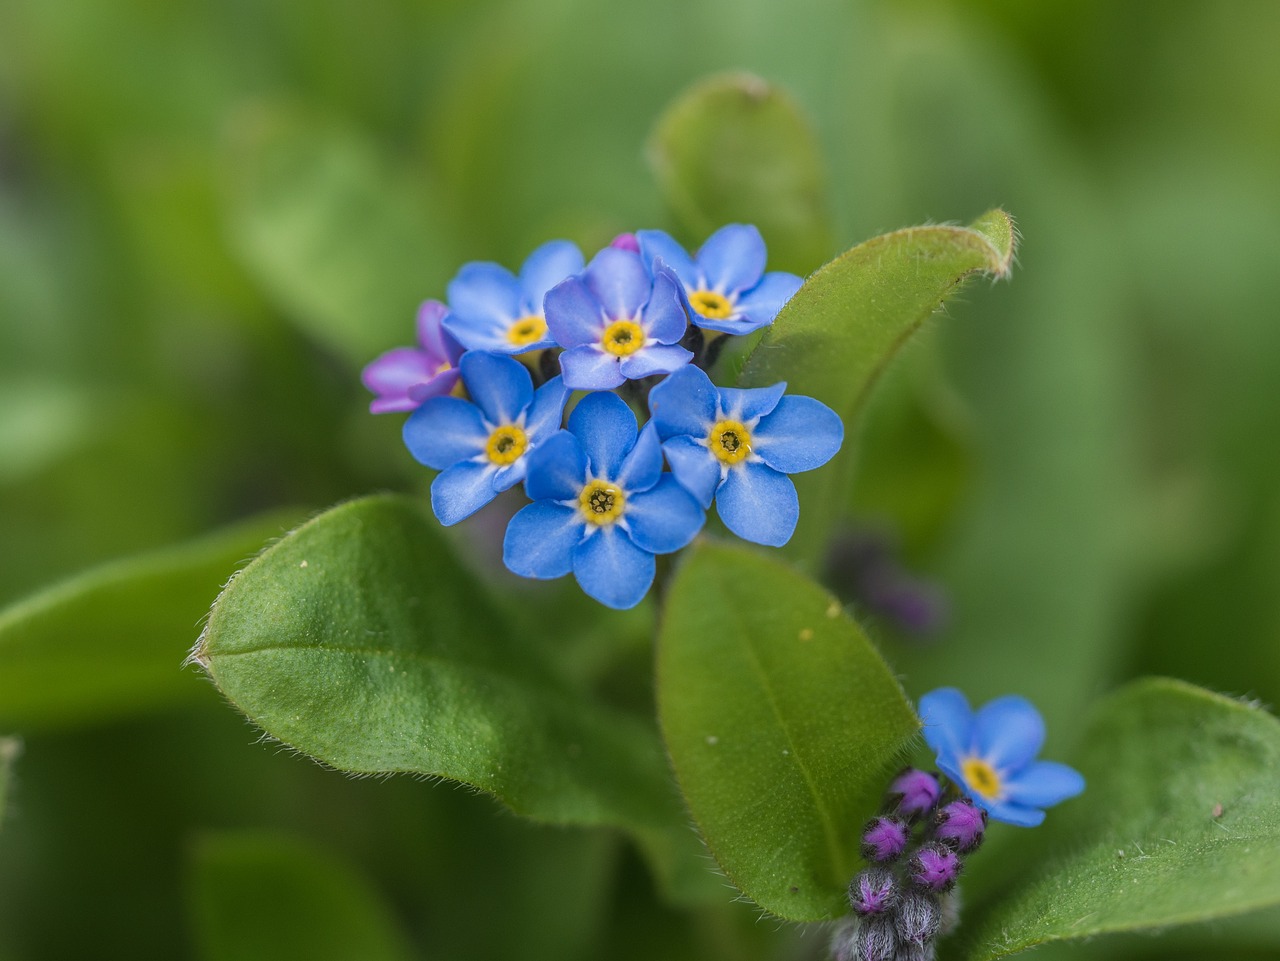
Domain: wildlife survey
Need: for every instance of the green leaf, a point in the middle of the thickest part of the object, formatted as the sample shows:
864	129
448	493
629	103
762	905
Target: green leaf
359	640
783	724
734	148
265	897
345	242
10	748
109	643
1180	823
840	330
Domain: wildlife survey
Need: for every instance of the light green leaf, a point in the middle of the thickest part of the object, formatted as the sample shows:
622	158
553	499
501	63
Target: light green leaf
734	148
10	748
840	330
258	897
783	724
1180	823
345	242
109	643
359	640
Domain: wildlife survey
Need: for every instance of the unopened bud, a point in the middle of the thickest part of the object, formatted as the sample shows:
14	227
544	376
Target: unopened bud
885	838
934	867
873	891
913	794
877	940
960	826
917	918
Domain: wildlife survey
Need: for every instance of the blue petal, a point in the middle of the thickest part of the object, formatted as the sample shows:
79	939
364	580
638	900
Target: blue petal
733	258
665	319
659	245
574	316
758	504
1044	784
487	335
694	466
509	475
461	490
547	266
655	359
684	403
1008	733
619	281
607	429
736	323
500	386
547	410
589	368
665	518
540	540
642	466
1011	813
485	291
443	431
612	569
750	403
948	725
798	435
556	468
761	303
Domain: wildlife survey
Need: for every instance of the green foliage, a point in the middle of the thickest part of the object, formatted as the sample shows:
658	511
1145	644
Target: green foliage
266	897
10	748
783	725
360	640
1180	823
849	320
735	148
109	642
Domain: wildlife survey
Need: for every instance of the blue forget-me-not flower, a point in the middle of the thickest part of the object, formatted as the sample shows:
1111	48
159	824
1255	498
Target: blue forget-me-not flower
990	755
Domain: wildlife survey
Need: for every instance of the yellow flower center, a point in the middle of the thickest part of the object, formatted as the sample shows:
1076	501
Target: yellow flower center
730	441
981	777
506	444
526	330
710	304
601	502
622	337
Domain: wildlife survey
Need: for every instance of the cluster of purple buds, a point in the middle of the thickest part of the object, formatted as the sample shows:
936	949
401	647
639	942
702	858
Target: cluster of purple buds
915	847
623	340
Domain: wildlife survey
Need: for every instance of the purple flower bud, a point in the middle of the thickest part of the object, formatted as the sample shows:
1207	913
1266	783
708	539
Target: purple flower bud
913	793
917	919
625	242
873	891
960	825
934	867
916	952
877	940
885	838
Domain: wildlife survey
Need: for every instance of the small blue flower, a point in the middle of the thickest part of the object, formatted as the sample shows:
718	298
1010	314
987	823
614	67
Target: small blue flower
482	448
617	323
738	446
725	287
493	309
990	755
602	506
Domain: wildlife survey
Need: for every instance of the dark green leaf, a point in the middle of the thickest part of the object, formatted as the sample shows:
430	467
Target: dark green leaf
1180	823
347	244
110	642
733	148
782	723
835	336
359	640
265	897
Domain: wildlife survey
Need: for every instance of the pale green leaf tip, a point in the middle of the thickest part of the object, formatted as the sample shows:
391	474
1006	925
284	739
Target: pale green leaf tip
1001	233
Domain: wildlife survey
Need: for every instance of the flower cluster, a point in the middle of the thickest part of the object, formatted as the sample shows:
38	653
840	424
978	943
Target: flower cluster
916	846
636	328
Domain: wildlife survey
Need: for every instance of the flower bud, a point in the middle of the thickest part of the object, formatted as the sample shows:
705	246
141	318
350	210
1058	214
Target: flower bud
885	838
916	952
917	918
873	891
960	826
877	940
913	794
934	867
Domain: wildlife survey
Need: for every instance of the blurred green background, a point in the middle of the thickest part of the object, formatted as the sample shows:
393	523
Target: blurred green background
212	214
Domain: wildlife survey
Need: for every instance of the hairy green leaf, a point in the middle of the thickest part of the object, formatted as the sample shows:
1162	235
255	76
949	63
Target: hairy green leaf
734	148
347	244
109	642
359	640
840	330
782	723
1180	823
261	897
